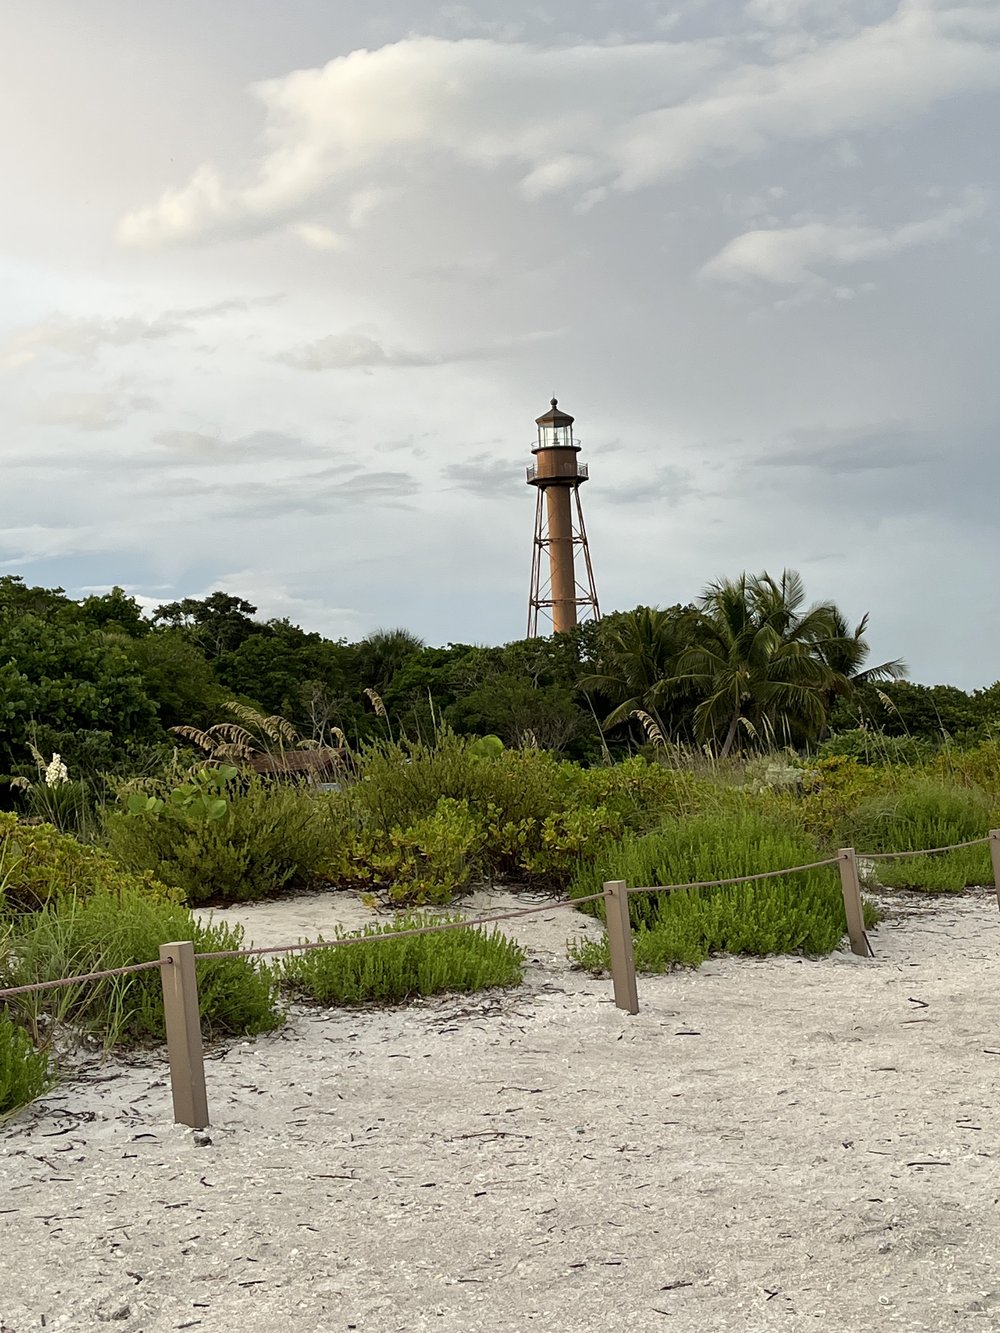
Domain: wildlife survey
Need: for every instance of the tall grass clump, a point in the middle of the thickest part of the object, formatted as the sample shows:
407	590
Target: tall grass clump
25	1073
378	969
72	936
800	913
926	813
266	836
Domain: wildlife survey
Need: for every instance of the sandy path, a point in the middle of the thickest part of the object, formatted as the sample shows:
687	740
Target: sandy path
776	1144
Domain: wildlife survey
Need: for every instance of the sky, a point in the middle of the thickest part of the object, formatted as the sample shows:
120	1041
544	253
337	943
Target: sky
284	288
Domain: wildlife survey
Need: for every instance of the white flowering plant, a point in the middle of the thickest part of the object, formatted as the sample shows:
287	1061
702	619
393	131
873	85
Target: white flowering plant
53	798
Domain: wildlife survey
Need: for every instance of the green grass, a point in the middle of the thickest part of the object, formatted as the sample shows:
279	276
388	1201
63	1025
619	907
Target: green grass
24	1072
394	970
802	913
71	936
926	813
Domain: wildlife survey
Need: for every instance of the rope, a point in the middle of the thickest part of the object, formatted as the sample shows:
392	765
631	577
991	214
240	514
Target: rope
925	851
741	879
73	981
398	934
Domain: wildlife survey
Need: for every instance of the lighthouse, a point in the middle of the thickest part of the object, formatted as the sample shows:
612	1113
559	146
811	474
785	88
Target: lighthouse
557	593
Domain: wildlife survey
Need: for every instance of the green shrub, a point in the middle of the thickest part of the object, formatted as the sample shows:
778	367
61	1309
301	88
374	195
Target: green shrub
24	1072
270	836
426	863
37	862
925	813
800	913
394	970
71	936
867	746
509	813
830	792
978	768
644	794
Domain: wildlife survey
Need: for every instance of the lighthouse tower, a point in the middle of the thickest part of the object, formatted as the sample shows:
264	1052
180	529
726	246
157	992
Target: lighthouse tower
557	475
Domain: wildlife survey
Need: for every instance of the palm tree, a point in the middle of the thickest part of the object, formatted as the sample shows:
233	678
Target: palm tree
757	663
382	653
639	650
846	653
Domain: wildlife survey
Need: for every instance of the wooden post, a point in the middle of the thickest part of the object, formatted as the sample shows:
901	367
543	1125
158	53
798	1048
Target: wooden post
620	946
183	1023
853	908
995	855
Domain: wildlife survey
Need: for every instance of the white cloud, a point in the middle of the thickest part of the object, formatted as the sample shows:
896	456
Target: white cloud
99	410
318	237
575	119
796	256
77	339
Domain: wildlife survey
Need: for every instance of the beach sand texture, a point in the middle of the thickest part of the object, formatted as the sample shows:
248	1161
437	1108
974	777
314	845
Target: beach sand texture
779	1143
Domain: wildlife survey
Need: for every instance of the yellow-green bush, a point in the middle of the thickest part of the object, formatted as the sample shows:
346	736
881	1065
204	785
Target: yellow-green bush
37	862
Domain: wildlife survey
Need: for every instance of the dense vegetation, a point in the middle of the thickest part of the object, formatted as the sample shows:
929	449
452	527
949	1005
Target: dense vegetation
144	771
751	666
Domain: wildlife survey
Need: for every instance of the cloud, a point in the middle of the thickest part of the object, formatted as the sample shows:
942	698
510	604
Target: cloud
575	119
795	256
359	350
82	339
195	446
852	449
485	476
318	237
305	493
342	351
91	410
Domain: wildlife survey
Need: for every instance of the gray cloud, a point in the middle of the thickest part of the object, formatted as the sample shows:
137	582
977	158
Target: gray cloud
849	450
486	476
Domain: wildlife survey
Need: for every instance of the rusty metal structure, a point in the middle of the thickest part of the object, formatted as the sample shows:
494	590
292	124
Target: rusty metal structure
557	475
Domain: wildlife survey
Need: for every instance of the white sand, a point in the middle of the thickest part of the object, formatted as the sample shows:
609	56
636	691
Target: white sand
773	1144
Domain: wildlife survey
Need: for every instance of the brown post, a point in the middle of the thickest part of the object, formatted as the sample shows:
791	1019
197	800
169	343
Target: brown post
183	1023
620	946
995	855
853	909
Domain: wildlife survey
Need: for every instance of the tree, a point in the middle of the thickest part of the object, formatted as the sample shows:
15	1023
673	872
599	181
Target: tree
58	678
114	610
846	652
382	653
757	660
218	623
638	657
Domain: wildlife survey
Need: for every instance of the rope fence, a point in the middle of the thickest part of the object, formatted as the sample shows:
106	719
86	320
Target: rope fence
738	879
926	851
178	961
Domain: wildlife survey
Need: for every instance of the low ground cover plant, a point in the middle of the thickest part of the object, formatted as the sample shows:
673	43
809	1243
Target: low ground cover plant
394	970
37	863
